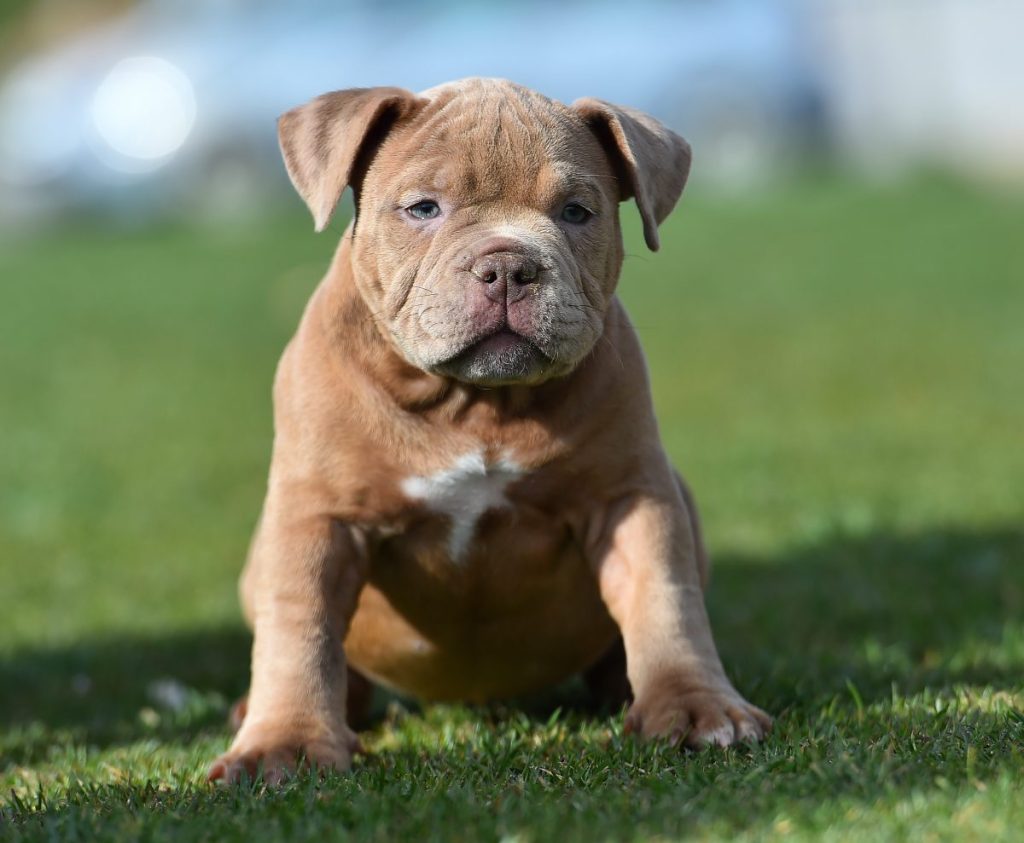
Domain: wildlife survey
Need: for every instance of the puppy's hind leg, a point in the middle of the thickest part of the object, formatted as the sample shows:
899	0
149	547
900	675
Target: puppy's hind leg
606	679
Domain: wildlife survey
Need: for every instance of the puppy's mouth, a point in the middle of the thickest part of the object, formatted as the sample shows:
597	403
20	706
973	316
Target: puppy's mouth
500	358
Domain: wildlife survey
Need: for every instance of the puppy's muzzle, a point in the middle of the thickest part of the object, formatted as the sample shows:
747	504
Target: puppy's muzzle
507	276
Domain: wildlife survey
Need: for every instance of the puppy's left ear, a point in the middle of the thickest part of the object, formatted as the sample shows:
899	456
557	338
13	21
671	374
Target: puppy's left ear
325	141
652	162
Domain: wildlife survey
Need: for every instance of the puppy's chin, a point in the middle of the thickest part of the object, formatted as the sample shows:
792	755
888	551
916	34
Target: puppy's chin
502	359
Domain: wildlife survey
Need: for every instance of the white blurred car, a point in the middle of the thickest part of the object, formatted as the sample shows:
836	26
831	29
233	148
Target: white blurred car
172	107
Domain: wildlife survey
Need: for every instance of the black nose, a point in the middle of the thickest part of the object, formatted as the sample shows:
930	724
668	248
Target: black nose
507	275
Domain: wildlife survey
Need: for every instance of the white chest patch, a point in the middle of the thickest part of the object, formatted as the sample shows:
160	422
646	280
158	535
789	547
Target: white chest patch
464	492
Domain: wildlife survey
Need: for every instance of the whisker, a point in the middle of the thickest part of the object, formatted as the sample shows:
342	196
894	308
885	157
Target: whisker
614	349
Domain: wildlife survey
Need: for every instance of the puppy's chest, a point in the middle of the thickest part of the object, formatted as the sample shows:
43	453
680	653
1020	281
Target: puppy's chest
461	493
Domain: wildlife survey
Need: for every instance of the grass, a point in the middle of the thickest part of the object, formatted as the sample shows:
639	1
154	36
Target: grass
838	371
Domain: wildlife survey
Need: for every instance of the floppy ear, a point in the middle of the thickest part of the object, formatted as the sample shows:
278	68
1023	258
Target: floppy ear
324	141
652	162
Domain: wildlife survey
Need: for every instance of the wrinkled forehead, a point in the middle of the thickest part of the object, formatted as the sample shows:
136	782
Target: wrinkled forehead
493	141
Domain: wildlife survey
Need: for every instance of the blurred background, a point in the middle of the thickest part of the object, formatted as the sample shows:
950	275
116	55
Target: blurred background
165	107
833	323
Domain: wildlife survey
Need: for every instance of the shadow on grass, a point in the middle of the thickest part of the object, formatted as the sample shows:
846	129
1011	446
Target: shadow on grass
117	690
880	612
873	612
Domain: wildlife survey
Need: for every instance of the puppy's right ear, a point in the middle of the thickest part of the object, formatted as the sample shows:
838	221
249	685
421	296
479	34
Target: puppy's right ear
323	141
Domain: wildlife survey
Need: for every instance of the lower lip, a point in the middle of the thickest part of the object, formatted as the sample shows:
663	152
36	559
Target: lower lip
501	341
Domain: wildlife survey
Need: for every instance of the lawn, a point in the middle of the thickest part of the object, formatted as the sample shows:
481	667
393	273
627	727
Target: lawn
839	370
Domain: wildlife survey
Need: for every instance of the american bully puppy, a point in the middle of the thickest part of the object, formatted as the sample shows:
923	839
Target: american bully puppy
468	497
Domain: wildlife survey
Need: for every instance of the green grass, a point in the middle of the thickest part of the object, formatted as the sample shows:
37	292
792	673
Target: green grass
838	370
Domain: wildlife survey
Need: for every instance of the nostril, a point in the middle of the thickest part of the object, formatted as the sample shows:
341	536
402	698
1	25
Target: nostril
506	268
526	275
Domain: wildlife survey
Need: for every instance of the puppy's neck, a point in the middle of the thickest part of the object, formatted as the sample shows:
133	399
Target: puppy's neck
363	345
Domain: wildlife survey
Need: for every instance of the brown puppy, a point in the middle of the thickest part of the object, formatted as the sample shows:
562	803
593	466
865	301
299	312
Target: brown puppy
468	498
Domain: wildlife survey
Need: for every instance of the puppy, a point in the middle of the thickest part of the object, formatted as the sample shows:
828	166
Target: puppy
468	497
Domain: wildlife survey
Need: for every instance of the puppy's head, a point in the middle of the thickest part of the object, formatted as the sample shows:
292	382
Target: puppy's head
486	240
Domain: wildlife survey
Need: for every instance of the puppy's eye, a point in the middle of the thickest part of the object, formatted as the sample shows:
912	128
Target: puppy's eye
575	213
425	210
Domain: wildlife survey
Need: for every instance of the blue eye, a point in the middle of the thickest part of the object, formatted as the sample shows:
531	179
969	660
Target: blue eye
575	213
425	210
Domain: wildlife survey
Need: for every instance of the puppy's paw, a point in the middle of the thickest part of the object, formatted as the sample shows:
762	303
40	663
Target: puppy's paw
696	715
277	756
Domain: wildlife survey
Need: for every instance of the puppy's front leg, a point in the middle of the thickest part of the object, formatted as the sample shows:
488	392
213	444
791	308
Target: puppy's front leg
644	549
301	585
